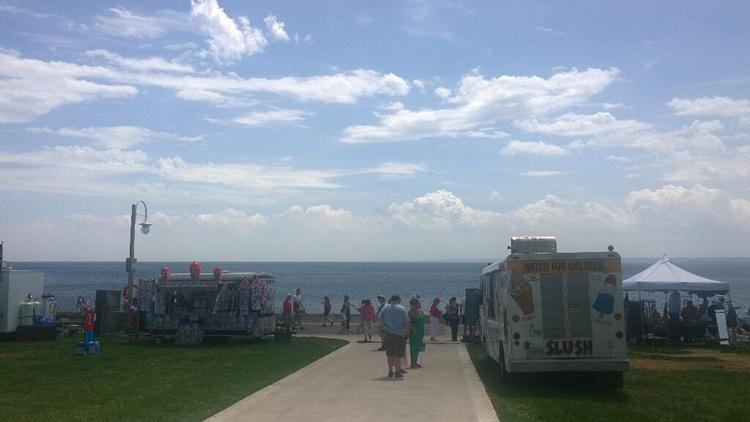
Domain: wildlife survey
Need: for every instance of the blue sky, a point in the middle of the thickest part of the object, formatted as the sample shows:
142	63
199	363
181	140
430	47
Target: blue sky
373	130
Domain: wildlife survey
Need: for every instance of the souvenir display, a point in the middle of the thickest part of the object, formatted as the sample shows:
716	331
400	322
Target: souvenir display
191	306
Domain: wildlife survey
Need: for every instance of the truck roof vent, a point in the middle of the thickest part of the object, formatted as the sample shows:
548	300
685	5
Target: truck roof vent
533	244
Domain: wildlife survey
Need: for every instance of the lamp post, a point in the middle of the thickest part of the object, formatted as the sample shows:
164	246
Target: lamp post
131	261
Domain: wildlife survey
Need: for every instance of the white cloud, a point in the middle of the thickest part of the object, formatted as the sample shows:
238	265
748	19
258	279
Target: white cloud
712	106
228	41
697	208
275	28
231	217
121	22
145	64
571	124
29	87
443	92
619	158
542	173
110	161
533	148
392	170
678	220
482	102
270	117
254	177
116	137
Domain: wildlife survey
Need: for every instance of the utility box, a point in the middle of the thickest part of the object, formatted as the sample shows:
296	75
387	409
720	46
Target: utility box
15	286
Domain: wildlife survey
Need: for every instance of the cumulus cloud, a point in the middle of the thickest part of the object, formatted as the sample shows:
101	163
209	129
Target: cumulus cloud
532	148
712	106
442	93
479	102
571	124
674	219
275	28
229	40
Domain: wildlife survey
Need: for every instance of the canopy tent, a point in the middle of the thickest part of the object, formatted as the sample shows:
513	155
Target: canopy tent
665	276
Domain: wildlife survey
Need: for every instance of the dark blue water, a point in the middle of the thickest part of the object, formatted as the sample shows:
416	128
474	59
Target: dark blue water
360	280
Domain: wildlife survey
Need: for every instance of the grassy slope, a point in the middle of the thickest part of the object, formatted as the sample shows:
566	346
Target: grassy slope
142	380
704	394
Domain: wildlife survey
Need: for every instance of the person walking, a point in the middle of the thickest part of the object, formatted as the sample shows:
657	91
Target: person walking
396	326
416	332
327	311
298	308
451	314
435	315
367	311
346	315
381	333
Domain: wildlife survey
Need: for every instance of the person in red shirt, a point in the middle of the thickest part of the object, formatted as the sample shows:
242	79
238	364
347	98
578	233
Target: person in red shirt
286	312
368	317
435	315
89	317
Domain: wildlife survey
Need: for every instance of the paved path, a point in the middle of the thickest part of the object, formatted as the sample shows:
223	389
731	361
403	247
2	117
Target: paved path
351	385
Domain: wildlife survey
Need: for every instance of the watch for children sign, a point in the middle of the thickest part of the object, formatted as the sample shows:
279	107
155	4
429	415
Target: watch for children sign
562	266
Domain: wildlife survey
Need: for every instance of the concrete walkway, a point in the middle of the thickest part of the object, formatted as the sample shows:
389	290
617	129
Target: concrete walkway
351	385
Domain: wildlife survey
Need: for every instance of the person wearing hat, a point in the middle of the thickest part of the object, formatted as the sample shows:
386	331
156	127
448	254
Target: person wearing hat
435	315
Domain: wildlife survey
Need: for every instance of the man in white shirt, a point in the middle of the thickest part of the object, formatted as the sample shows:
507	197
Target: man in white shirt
396	326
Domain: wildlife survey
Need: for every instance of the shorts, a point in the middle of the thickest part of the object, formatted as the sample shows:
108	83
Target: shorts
395	346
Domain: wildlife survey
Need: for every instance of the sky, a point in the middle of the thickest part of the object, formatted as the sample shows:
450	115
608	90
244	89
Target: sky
393	130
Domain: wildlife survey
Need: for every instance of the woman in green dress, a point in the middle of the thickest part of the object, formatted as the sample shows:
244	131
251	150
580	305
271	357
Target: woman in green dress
416	318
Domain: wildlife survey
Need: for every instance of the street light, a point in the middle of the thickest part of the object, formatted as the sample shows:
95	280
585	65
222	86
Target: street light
131	261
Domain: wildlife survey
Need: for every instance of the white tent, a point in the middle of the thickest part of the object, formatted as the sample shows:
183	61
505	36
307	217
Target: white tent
664	276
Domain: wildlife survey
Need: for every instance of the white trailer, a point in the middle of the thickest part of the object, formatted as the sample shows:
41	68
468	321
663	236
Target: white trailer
544	311
15	286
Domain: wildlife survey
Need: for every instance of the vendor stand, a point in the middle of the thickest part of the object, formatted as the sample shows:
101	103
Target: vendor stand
666	277
191	306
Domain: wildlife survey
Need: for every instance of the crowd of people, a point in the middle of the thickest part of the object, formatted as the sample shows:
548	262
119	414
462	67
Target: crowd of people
396	325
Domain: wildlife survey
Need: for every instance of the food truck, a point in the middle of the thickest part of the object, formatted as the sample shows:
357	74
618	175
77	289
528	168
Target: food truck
191	306
544	311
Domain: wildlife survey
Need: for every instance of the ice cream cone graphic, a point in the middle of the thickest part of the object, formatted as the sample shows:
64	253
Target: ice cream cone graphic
520	291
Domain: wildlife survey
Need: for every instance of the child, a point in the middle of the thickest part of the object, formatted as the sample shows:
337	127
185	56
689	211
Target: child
368	317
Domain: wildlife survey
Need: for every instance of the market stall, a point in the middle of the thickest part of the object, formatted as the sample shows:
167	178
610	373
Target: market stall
194	305
680	317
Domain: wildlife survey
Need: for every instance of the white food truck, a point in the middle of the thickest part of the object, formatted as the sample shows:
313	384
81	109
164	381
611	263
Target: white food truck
544	311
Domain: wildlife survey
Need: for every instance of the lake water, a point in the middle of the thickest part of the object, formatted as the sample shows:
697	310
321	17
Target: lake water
360	280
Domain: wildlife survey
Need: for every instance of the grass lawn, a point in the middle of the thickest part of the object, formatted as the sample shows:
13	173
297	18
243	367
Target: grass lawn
142	380
693	384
